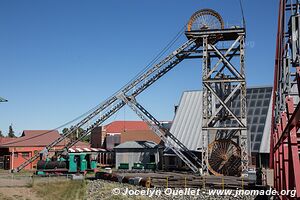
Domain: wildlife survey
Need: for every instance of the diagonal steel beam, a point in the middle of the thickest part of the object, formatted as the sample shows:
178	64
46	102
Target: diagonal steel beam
229	66
164	134
225	101
224	105
225	55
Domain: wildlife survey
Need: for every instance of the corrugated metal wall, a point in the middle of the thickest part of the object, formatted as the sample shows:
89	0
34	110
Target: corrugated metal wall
132	156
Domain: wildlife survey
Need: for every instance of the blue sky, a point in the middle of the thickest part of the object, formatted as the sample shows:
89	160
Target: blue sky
58	59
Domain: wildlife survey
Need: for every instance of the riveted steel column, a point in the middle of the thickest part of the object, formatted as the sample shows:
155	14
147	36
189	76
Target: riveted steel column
206	105
245	151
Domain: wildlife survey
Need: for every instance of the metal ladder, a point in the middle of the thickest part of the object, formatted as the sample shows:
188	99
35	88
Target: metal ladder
113	103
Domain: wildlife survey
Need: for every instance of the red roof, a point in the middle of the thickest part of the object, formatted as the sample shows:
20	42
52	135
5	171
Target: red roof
5	140
121	126
40	138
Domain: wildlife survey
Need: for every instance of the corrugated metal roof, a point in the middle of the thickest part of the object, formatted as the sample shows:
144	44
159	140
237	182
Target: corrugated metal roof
187	123
38	138
140	136
32	138
137	145
5	140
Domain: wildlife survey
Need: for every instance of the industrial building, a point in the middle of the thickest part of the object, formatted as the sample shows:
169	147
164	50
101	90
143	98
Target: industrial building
141	152
15	151
225	130
125	137
187	124
118	132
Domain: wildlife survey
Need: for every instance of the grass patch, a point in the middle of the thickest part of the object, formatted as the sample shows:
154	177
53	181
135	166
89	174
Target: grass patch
61	190
5	197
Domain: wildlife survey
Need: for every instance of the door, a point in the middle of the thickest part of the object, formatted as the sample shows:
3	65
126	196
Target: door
7	162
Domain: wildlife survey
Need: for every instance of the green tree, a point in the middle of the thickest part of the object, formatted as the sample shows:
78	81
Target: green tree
75	134
1	135
65	130
11	132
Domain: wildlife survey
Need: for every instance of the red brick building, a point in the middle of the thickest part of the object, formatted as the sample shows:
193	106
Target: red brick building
118	132
14	151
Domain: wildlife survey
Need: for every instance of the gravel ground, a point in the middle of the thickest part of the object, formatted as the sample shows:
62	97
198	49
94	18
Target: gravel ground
102	190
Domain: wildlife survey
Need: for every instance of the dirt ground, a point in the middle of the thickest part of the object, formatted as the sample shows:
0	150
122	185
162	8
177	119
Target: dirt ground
26	187
19	193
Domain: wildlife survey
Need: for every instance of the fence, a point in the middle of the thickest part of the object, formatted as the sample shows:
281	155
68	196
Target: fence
27	180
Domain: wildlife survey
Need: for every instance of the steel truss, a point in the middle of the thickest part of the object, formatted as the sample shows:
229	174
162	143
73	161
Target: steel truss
286	107
223	82
191	160
200	44
110	106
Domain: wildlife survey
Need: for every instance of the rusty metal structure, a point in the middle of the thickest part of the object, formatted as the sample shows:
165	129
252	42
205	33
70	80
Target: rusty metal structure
225	141
286	107
225	132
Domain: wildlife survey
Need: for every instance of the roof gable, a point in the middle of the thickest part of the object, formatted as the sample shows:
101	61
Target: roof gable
32	138
121	126
38	138
6	139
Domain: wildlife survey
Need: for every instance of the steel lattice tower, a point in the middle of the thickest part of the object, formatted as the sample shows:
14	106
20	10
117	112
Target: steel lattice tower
225	142
225	132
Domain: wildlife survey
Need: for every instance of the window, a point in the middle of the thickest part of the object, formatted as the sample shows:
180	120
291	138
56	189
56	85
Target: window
269	90
255	90
260	128
262	120
252	103
257	111
236	111
264	111
25	154
250	112
261	96
259	103
15	155
256	147
253	128
266	103
268	95
234	104
234	123
258	137
248	119
255	120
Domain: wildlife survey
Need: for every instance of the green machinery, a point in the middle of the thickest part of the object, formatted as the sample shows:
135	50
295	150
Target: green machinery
72	163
